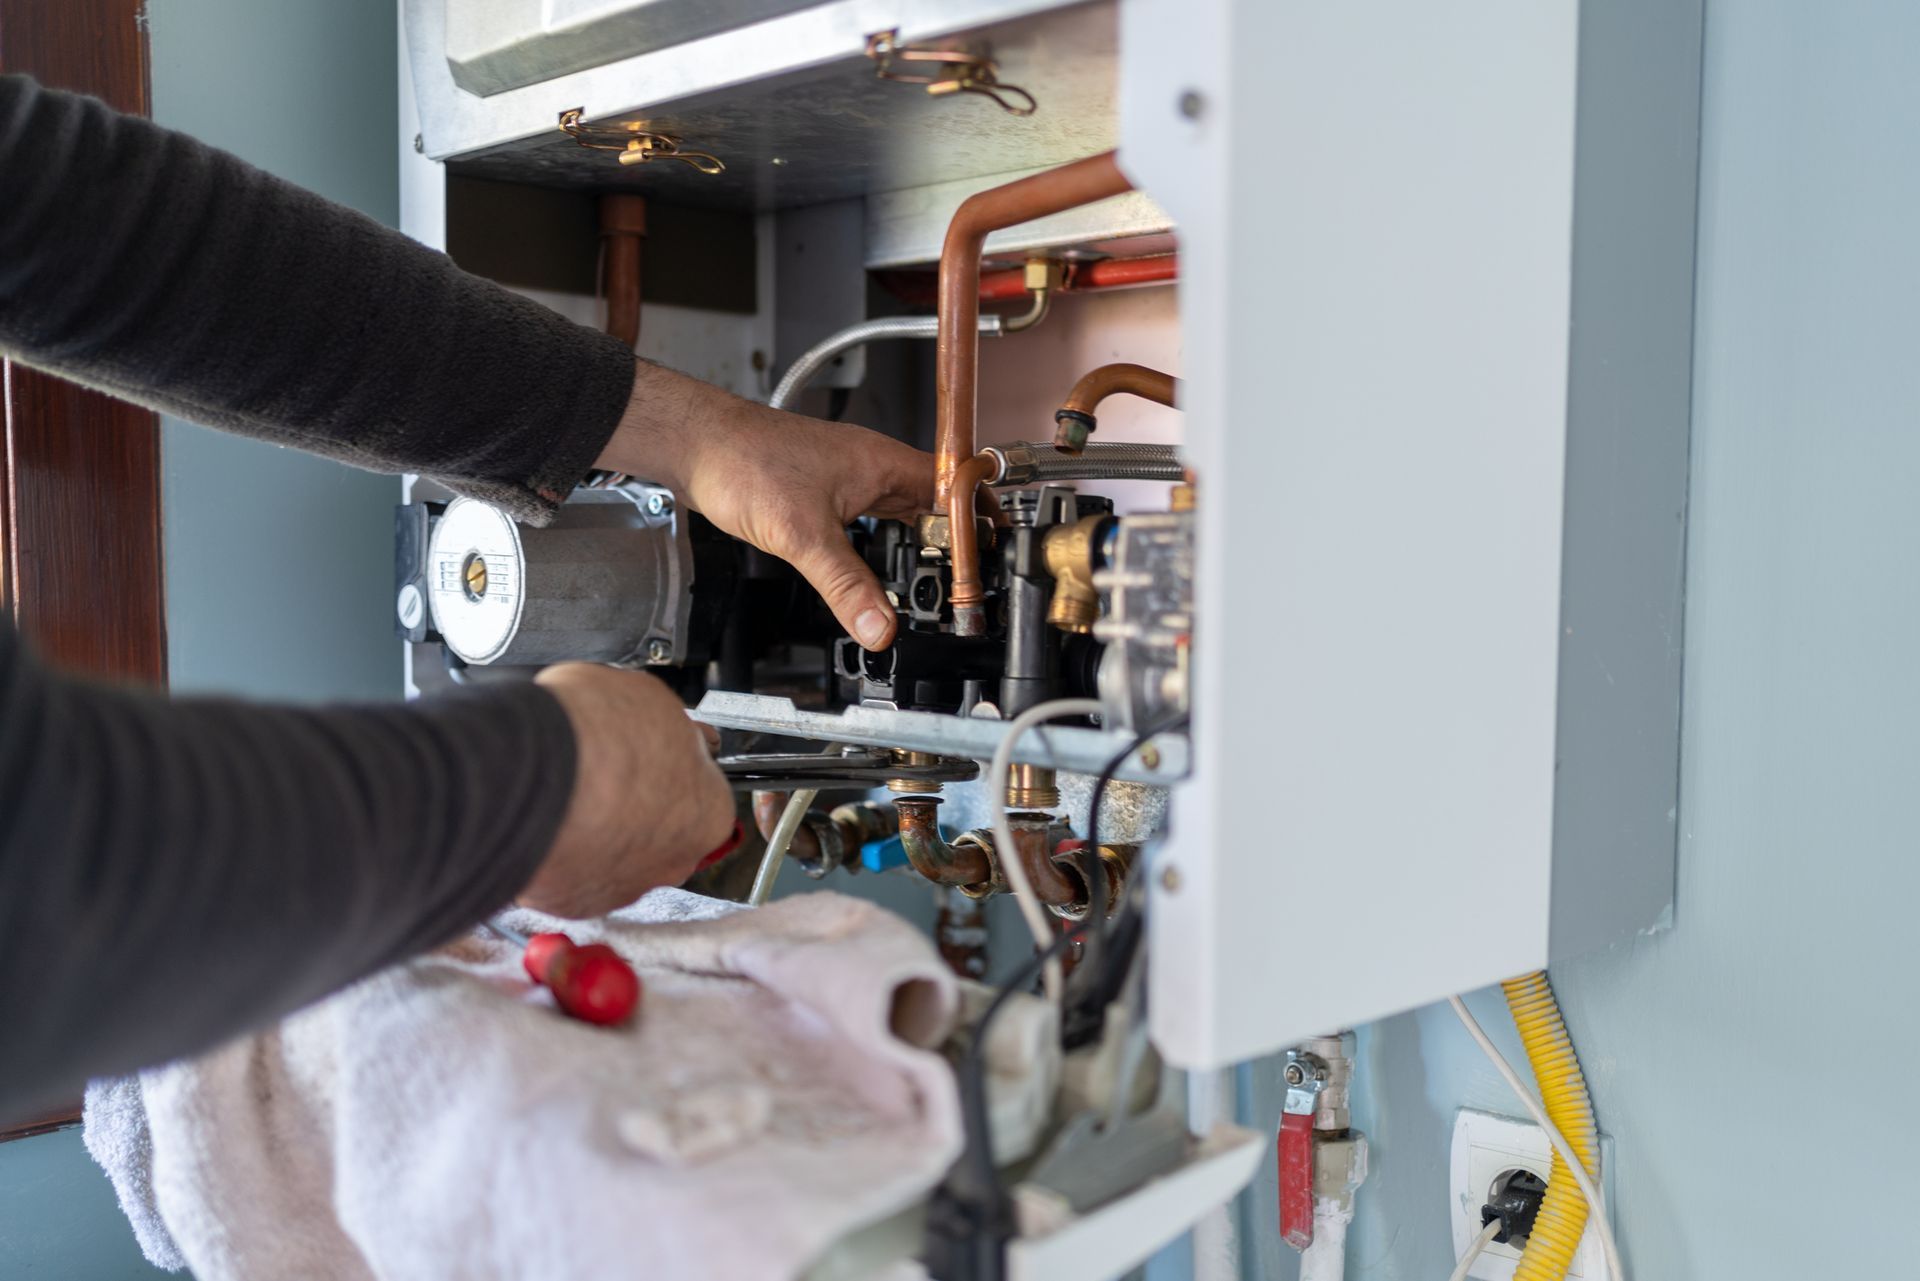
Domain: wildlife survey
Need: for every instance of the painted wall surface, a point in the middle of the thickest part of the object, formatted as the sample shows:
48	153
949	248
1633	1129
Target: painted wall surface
280	565
277	564
1756	1060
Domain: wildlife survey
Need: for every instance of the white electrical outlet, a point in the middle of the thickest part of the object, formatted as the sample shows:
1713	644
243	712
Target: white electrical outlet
1486	1146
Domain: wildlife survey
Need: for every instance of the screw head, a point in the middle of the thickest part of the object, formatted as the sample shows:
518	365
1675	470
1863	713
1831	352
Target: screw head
659	650
419	144
1170	880
1150	757
411	607
658	504
1295	1074
1192	104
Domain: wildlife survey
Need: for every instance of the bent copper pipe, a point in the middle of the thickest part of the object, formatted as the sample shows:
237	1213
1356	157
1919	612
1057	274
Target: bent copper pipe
767	809
1055	882
930	855
1074	421
623	224
967	596
845	830
958	354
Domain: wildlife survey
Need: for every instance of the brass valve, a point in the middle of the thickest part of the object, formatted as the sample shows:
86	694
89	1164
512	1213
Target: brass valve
1068	552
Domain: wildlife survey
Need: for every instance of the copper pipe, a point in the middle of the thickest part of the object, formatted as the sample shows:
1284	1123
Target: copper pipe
958	356
767	808
1083	277
967	595
1055	883
823	838
1120	273
929	853
1074	421
623	224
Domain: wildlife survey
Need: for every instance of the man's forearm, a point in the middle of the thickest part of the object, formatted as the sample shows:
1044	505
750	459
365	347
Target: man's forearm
173	873
140	261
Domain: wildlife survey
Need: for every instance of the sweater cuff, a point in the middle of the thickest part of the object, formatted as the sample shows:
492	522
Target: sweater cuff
535	498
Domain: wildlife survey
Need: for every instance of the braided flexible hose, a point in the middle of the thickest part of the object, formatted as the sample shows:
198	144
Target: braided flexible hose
1032	464
1563	1090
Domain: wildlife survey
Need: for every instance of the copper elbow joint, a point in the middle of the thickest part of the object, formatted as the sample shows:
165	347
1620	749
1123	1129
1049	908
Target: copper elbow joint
960	864
1074	421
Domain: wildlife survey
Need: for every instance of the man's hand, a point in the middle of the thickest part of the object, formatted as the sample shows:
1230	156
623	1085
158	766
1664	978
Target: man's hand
648	802
783	482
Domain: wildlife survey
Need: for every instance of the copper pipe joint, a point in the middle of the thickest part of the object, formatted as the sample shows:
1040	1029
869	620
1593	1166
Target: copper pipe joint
1074	421
1055	884
928	851
957	358
968	595
825	841
767	809
1115	860
623	224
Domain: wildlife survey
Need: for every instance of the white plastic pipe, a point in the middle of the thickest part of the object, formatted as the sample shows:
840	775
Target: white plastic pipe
1326	1258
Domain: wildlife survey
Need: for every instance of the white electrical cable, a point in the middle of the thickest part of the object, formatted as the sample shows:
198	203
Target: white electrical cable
1595	1203
1480	1243
782	837
1003	842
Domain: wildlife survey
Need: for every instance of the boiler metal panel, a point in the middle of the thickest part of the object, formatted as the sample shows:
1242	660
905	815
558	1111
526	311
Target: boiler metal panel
1396	779
496	45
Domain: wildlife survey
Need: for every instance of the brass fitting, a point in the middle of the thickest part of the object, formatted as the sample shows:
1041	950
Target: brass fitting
1032	787
1116	860
1180	497
1068	552
913	786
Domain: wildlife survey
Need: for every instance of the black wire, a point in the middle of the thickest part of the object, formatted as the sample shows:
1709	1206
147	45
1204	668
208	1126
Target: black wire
973	1067
1104	975
981	1185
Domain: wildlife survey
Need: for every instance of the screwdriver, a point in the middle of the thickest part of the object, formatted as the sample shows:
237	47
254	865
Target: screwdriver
590	983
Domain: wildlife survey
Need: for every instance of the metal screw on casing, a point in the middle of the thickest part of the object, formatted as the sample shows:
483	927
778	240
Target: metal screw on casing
659	651
1150	756
1192	104
1170	880
658	504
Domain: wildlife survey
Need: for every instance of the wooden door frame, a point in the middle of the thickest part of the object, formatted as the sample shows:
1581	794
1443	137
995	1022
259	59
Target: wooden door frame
80	551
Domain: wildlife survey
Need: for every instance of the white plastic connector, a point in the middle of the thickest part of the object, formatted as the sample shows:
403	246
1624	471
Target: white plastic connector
1485	1146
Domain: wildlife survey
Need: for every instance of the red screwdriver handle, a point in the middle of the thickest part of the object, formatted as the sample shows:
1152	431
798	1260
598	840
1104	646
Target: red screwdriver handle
727	846
591	982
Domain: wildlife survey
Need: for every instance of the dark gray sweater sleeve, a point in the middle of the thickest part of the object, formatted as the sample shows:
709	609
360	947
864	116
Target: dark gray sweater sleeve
173	872
138	261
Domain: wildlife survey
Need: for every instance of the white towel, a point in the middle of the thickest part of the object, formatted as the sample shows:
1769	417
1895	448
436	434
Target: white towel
442	1119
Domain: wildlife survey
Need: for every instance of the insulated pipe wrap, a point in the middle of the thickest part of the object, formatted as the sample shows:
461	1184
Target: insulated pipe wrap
1563	1091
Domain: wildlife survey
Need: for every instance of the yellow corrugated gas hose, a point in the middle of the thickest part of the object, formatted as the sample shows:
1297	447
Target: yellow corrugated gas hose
1563	1211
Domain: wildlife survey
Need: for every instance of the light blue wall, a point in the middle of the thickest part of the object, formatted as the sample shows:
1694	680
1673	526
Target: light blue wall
1755	1064
278	565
